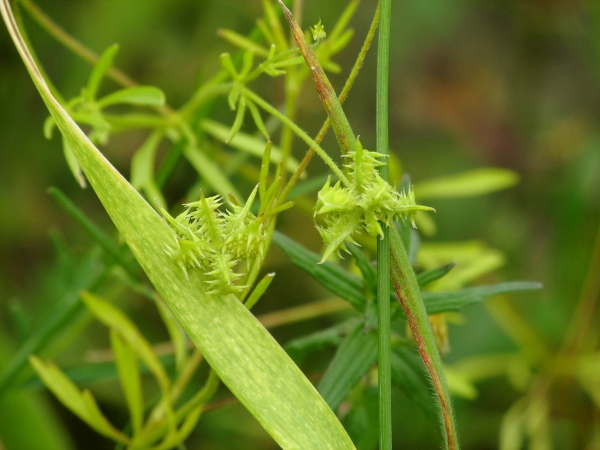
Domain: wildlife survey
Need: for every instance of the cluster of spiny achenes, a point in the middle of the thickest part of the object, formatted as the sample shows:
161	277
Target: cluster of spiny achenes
362	203
217	245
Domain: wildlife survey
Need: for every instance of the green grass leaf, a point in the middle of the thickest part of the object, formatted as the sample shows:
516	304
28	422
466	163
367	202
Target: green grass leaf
129	375
355	356
80	403
115	319
245	356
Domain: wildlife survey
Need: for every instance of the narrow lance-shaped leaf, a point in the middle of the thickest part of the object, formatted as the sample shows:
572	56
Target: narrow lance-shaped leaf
334	278
138	95
356	354
80	403
246	143
432	275
437	302
100	70
468	184
244	354
129	375
176	334
115	319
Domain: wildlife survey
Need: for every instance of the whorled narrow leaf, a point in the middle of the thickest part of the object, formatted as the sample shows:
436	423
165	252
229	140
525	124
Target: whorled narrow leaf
244	354
333	277
429	276
437	302
142	169
246	143
356	354
176	334
116	320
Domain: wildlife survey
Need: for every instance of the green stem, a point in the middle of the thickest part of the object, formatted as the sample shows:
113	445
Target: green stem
409	294
299	132
383	245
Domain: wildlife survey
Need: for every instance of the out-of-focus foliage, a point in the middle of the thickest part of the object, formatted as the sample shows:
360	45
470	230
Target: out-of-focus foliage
509	84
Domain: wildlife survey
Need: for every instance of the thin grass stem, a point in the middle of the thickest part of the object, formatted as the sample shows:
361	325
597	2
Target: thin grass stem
299	132
383	245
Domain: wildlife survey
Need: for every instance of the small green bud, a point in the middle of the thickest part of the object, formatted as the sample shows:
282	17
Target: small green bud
318	32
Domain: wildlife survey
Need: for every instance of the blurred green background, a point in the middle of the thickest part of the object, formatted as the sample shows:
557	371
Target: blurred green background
512	83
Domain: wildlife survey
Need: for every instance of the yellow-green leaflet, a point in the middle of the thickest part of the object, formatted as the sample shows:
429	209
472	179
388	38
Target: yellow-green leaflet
244	354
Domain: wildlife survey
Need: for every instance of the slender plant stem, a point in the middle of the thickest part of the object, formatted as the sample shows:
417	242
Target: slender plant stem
409	294
383	245
299	132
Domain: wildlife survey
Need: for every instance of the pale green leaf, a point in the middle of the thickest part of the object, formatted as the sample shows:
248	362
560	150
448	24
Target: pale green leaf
246	357
239	119
82	404
211	173
176	334
246	143
99	72
129	376
115	319
142	169
459	385
138	95
467	184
